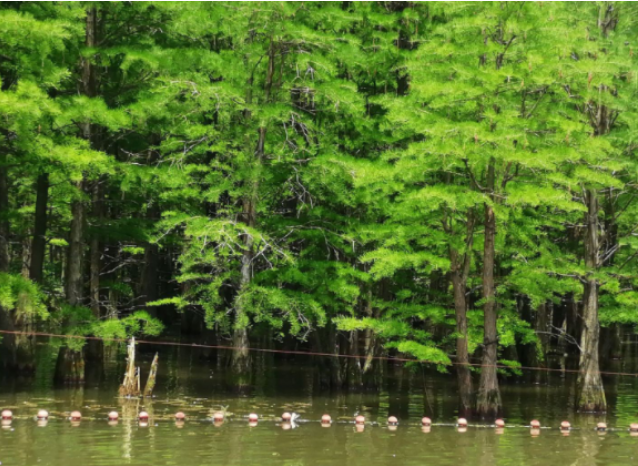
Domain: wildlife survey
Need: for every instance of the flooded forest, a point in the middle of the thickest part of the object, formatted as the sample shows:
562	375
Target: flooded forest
351	197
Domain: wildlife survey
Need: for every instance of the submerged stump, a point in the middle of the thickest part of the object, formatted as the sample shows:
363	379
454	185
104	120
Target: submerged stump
131	384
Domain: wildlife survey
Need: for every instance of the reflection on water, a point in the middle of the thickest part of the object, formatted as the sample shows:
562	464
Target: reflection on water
196	386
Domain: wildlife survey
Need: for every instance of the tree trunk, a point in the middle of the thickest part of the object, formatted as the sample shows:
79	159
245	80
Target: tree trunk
88	87
240	358
74	283
463	373
25	256
4	214
355	373
38	246
489	396
460	265
591	394
70	366
95	266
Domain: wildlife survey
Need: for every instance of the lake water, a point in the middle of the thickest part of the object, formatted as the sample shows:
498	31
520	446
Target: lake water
196	386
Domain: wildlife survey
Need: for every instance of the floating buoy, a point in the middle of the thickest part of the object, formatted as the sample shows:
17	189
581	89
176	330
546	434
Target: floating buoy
360	420
143	416
499	423
75	415
7	414
393	421
252	417
462	422
633	427
113	416
426	421
43	414
326	420
180	416
601	426
286	417
565	425
218	416
535	424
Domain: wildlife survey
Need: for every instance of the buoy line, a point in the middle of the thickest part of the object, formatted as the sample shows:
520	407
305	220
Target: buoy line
293	419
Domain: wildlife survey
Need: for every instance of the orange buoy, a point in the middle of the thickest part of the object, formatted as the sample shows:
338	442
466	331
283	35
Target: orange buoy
180	416
286	417
113	416
633	427
75	415
326	420
43	414
535	424
360	420
426	421
565	425
252	417
7	414
461	422
393	421
500	423
143	416
601	426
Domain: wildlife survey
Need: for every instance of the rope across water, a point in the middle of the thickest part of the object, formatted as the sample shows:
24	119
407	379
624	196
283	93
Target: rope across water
306	353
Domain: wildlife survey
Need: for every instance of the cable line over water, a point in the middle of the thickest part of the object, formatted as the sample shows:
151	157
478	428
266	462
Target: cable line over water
304	353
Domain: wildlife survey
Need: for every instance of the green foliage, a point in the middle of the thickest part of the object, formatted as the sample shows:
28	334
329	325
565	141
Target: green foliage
22	297
302	166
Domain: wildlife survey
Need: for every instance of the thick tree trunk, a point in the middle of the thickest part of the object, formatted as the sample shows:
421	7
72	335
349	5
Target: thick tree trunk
591	394
240	358
489	397
38	245
4	214
74	282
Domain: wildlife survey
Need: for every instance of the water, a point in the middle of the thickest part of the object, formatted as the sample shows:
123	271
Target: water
197	387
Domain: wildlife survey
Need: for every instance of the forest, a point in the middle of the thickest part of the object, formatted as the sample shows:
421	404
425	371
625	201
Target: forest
454	183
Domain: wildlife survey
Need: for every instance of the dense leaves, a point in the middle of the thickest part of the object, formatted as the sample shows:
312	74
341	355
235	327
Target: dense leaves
296	168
